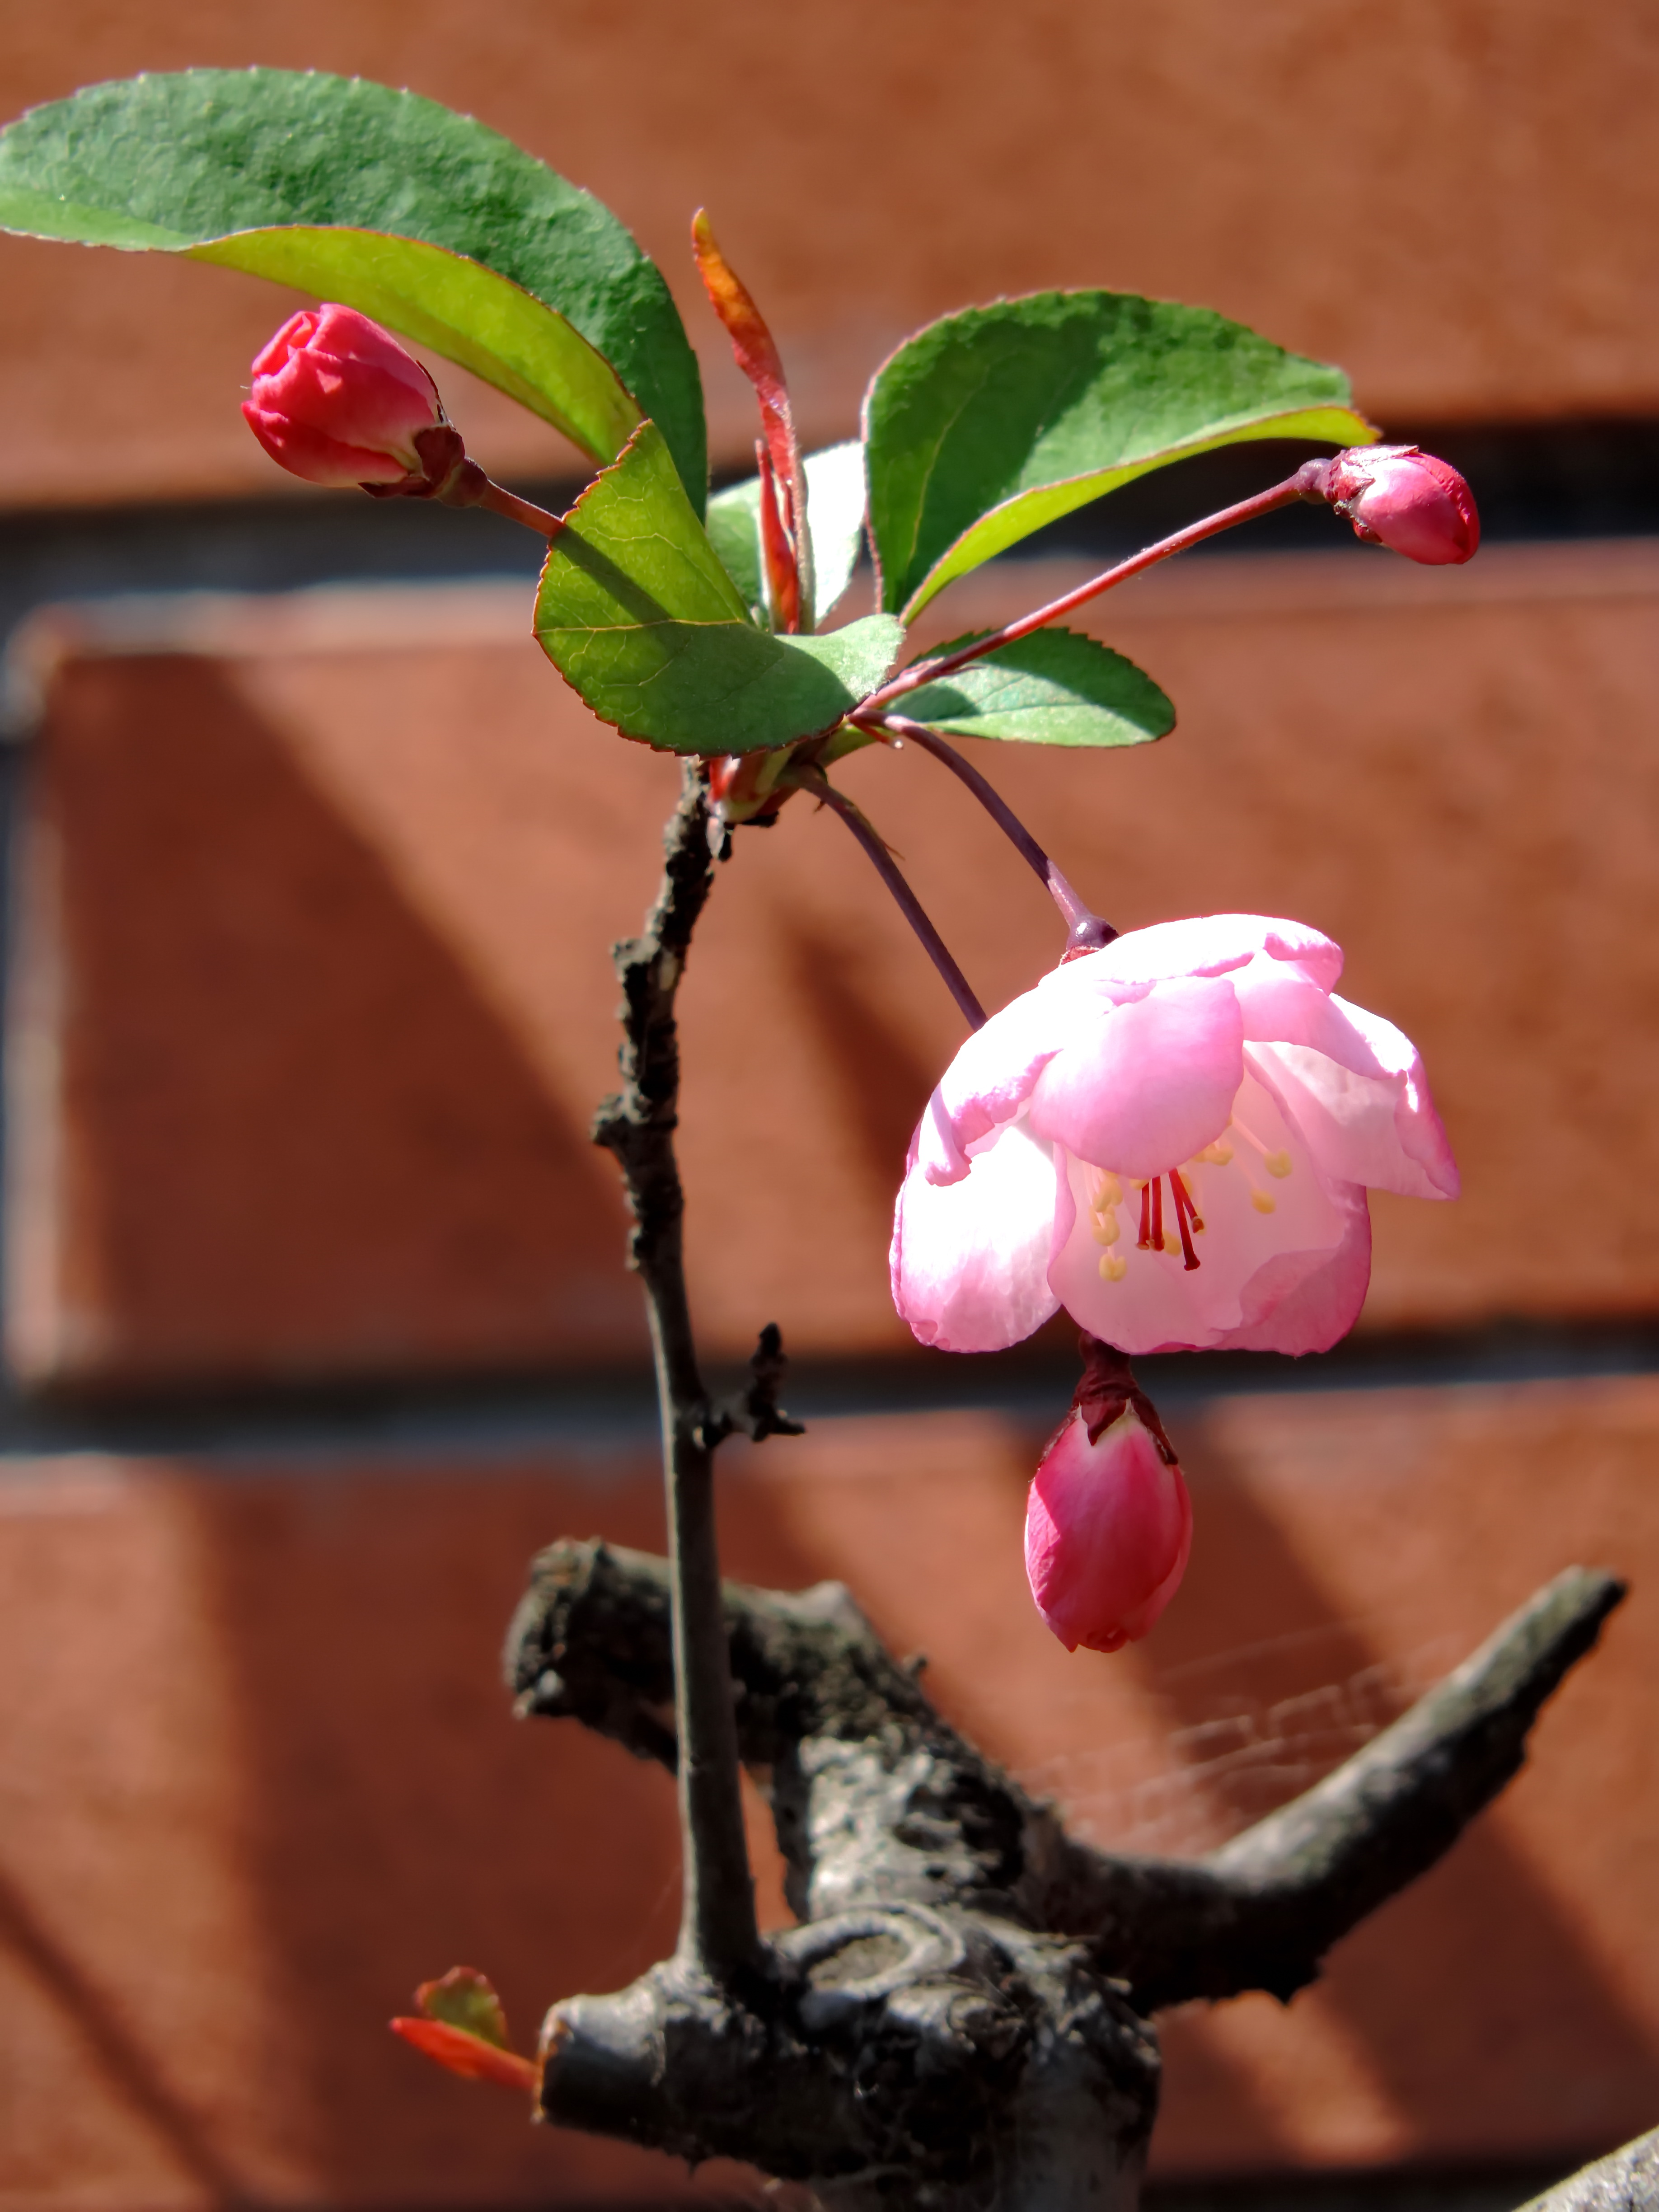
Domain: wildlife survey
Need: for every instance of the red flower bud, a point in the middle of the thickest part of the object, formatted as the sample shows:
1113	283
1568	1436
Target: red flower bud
1108	1522
337	400
1407	500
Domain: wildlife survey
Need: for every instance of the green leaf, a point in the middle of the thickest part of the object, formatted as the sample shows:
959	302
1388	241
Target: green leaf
991	422
1056	687
178	162
835	515
465	1999
639	615
461	310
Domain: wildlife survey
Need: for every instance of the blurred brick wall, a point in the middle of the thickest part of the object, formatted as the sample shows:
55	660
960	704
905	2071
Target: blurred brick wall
312	1009
259	1778
309	1008
1449	196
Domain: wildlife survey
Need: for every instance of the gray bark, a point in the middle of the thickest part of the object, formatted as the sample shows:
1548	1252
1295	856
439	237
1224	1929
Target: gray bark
1626	2180
960	2019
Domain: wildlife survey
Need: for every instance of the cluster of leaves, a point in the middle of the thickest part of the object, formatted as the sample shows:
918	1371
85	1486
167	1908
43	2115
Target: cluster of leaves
980	430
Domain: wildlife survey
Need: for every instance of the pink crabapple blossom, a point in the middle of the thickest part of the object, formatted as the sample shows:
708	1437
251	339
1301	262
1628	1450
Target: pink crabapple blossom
1171	1137
1108	1522
337	400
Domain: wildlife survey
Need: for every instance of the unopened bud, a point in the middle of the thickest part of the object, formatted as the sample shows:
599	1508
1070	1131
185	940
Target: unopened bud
337	400
1108	1522
1401	497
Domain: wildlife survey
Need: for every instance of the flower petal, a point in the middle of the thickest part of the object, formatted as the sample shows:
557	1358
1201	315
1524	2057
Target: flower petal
1205	945
1290	1306
986	1084
969	1259
1252	1215
1355	1087
1141	1089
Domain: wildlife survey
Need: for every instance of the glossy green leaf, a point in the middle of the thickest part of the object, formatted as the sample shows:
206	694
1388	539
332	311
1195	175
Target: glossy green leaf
991	422
178	162
638	614
835	515
1056	687
458	308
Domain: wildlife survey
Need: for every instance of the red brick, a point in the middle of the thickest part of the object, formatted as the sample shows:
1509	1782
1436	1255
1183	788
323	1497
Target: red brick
261	1778
1450	198
313	1001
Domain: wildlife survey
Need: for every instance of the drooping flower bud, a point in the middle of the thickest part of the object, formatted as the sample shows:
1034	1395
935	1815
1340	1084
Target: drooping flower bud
1108	1522
337	400
1403	498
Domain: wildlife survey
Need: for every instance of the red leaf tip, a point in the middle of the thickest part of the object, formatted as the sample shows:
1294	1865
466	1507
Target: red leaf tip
467	2055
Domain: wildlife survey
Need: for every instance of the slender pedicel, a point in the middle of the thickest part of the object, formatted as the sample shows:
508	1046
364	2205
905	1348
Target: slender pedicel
1085	930
1247	510
910	905
500	501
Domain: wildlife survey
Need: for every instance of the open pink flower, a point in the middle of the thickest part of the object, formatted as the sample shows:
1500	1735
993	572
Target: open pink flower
1172	1138
1108	1522
337	400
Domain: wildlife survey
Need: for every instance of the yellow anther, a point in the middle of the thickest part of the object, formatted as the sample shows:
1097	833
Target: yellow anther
1216	1155
1106	1229
1112	1269
1110	1192
1277	1164
1171	1244
1263	1202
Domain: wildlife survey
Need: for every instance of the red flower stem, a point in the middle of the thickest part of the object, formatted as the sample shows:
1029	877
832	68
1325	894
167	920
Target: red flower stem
1085	932
908	904
927	672
500	501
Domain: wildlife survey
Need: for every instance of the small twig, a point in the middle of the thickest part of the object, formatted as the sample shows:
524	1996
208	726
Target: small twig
754	1411
910	905
928	672
1085	930
718	1932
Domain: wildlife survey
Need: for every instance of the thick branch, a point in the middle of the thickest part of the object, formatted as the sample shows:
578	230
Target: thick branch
718	1936
1626	2180
877	1798
1261	1913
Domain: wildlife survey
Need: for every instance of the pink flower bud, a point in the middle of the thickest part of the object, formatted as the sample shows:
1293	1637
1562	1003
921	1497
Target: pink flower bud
1407	500
337	400
1108	1522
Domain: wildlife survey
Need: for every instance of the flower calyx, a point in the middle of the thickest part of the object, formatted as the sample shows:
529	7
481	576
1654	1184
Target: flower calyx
1108	1387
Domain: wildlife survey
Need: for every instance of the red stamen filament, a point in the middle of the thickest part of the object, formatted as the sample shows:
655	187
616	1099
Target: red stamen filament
1158	1213
1186	1212
1144	1242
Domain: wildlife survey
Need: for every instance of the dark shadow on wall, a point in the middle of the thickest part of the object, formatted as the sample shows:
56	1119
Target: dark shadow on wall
295	1139
119	2059
884	1080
